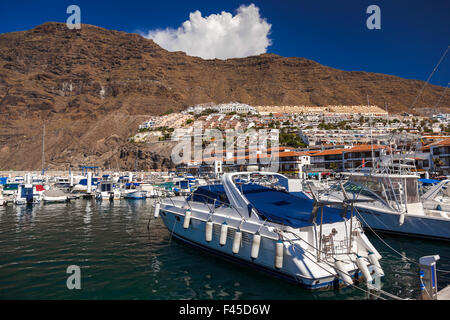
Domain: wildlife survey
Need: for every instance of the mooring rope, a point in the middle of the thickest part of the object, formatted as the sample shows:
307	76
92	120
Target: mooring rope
429	77
329	264
390	247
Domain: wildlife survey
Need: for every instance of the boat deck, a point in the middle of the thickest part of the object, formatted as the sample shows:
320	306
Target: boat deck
444	294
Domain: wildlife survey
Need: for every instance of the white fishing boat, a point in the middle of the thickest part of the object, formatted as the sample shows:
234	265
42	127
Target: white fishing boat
107	191
26	194
54	195
9	193
86	186
267	228
62	183
395	206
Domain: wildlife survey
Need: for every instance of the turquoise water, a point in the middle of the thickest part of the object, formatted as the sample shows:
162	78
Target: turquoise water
120	259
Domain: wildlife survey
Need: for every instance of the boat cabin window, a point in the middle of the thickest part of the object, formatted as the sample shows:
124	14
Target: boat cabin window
106	187
387	188
354	188
212	194
131	185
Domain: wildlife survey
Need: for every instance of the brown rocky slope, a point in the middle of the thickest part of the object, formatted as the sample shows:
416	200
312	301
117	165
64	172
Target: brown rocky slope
92	87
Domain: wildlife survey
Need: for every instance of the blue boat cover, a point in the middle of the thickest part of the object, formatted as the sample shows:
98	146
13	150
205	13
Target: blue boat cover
212	194
183	184
283	207
3	180
429	181
83	182
136	184
277	206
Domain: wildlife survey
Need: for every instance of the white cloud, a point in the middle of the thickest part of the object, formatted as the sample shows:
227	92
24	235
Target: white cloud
219	36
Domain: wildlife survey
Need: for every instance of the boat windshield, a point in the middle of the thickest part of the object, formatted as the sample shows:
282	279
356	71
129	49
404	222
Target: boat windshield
389	189
211	194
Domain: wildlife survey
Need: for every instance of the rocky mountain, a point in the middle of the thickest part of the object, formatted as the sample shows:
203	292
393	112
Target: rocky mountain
92	87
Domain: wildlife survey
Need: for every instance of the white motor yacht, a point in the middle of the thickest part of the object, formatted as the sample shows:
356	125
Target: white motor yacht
393	203
267	228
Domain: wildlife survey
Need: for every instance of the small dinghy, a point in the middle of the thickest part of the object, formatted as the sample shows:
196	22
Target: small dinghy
270	229
54	195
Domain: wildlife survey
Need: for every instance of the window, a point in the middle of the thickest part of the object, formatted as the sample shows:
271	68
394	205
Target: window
213	194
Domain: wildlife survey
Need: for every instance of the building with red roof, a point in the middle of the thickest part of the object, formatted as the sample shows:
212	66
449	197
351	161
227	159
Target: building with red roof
440	156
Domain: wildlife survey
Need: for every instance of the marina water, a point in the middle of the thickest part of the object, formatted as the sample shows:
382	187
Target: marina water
121	259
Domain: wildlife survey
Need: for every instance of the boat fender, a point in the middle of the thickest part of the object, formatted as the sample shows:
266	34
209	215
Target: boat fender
187	219
279	250
401	220
156	213
208	231
364	246
255	246
237	241
223	234
376	263
340	269
363	267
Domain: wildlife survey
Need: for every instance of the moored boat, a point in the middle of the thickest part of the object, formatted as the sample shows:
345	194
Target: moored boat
395	204
269	229
54	195
26	194
105	191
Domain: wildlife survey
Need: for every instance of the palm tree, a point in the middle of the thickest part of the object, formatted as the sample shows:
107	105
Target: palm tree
438	162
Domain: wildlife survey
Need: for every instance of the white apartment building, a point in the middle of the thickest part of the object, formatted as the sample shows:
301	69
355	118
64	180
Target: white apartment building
222	108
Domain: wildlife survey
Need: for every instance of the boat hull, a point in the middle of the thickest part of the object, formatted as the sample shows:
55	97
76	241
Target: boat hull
195	236
419	226
137	195
54	199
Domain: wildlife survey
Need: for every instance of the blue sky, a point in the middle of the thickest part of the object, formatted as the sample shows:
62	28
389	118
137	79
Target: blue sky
413	36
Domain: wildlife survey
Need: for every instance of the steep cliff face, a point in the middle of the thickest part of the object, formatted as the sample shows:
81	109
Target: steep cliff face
92	87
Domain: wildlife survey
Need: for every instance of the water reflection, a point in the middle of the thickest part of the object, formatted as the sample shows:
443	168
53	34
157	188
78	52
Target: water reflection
121	259
88	213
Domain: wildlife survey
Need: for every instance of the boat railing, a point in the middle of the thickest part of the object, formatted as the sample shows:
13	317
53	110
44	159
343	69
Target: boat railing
215	201
330	248
379	166
394	198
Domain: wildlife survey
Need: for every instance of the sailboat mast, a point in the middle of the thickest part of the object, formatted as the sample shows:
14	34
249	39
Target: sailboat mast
43	148
370	123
